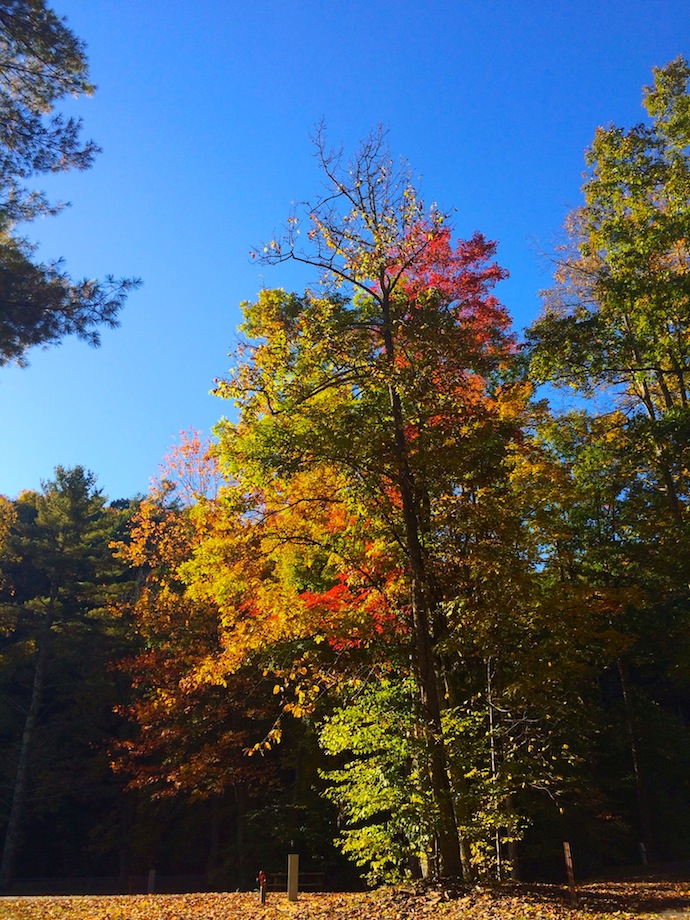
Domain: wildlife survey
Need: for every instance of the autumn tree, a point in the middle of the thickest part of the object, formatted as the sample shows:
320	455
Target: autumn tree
191	737
381	407
41	62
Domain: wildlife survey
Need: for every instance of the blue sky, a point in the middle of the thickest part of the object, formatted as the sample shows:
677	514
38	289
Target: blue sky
205	111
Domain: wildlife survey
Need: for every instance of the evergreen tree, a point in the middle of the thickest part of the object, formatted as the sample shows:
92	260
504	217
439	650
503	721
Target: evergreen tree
58	580
41	62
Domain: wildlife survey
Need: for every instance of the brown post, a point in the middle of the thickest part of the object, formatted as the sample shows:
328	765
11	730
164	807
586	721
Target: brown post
293	876
569	870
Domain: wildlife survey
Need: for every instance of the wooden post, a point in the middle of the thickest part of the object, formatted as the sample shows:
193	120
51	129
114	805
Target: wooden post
569	870
293	876
151	885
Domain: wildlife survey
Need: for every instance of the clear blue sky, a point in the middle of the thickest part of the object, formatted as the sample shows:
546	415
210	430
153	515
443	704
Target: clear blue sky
204	111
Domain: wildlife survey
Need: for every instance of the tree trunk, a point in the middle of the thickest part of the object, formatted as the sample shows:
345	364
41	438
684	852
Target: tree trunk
240	829
213	841
640	785
448	834
9	852
125	829
421	598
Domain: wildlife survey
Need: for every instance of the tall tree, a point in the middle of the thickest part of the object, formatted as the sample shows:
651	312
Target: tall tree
406	353
57	579
41	62
617	323
194	728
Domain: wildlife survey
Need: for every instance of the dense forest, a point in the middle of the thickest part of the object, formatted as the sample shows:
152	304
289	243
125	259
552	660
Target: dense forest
397	615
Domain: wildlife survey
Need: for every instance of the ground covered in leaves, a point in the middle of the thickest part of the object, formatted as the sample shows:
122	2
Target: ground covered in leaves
624	899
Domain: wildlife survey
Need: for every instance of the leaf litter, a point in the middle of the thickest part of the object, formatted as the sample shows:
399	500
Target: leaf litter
624	899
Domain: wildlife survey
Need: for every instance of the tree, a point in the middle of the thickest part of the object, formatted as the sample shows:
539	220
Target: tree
618	317
57	580
380	788
358	388
617	323
194	729
41	62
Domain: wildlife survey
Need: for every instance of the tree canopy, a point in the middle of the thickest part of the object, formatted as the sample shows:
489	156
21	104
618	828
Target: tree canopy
397	578
618	317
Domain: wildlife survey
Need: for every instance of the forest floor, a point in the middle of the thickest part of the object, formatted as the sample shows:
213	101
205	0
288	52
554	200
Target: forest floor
665	896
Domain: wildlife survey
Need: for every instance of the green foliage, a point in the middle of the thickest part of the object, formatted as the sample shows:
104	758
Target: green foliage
58	580
380	789
619	315
617	321
41	62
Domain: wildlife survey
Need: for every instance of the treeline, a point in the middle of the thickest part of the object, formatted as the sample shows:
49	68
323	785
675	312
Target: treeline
398	603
